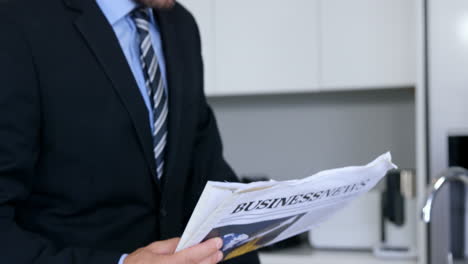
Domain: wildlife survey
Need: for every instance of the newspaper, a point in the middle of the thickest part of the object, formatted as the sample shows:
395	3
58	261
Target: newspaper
251	216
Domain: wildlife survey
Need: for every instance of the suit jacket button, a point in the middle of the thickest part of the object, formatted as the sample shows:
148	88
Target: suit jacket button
163	212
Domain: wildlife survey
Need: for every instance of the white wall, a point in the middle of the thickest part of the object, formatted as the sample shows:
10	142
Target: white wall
291	136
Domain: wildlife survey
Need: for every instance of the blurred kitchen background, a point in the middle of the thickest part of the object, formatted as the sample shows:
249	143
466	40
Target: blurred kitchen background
299	86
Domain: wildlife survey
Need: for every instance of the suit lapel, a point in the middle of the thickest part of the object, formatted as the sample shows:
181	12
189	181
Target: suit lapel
175	77
102	41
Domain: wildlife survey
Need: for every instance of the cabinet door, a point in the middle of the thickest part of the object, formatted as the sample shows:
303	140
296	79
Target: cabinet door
266	46
368	43
202	10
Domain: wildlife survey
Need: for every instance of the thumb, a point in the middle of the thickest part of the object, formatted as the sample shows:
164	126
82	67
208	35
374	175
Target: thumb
164	247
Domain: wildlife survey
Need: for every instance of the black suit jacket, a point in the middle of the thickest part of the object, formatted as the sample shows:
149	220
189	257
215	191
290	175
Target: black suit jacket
77	174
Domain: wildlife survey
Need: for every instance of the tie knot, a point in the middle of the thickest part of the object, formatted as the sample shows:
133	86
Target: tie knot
141	13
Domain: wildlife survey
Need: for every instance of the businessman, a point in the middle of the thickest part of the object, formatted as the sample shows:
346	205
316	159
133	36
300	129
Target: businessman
106	138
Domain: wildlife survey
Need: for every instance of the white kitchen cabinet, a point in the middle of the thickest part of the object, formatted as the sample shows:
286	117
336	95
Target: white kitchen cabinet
203	11
367	44
266	46
277	46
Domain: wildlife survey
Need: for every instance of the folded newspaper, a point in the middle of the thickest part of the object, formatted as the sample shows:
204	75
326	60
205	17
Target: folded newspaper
251	216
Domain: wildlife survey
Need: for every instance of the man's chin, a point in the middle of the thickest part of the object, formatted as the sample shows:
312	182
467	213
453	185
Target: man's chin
159	4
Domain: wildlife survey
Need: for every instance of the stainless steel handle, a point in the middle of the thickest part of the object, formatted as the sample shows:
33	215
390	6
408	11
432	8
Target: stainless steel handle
450	175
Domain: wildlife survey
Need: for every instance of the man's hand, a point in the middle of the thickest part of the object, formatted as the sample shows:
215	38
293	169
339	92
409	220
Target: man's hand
162	252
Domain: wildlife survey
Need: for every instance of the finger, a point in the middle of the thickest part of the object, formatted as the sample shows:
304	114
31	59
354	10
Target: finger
164	247
201	251
213	259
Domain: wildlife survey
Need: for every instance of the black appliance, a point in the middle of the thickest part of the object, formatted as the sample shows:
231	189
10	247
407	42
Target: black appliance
458	156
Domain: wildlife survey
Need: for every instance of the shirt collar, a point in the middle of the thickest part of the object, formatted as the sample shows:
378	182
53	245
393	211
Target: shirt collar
114	10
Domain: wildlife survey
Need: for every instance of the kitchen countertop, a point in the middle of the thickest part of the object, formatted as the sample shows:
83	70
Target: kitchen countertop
307	255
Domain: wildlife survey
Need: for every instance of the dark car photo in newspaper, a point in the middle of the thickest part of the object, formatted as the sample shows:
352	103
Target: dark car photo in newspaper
241	239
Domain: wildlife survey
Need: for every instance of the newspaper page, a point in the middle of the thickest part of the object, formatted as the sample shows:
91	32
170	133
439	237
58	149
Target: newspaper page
250	216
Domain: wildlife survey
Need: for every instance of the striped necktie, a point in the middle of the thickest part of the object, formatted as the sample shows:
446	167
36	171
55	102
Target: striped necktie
155	86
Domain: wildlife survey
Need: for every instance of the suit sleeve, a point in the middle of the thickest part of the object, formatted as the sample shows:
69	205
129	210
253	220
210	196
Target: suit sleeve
20	115
209	162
